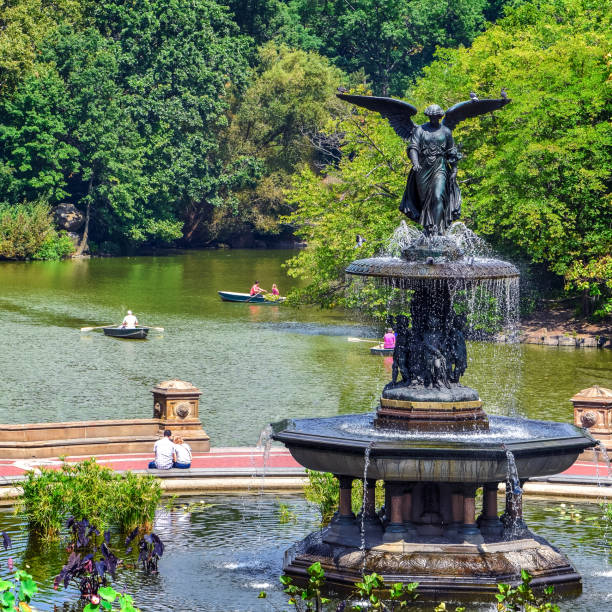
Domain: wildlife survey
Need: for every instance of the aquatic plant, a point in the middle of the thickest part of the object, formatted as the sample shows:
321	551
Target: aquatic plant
522	598
105	599
285	514
373	594
151	548
310	595
17	595
88	490
323	490
396	597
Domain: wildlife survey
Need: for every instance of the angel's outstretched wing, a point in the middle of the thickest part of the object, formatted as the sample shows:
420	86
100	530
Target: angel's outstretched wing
398	113
472	108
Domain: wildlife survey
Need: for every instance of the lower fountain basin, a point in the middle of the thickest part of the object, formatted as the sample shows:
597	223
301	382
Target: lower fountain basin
339	444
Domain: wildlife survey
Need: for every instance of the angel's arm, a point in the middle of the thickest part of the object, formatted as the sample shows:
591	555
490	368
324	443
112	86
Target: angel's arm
413	149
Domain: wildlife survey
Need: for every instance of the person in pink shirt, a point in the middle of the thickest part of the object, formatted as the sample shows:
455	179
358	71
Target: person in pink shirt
255	289
389	339
275	289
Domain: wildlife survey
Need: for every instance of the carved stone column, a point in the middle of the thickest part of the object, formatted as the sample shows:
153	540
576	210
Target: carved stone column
469	530
452	531
345	511
489	522
369	502
343	528
395	530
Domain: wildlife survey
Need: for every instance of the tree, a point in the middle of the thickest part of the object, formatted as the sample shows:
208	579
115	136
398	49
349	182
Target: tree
25	24
110	181
535	177
178	62
35	156
359	196
390	40
272	127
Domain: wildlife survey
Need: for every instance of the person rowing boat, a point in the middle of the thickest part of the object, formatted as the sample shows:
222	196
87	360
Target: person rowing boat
129	321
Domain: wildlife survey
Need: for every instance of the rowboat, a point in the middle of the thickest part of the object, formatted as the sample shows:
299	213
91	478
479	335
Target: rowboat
129	333
380	349
230	296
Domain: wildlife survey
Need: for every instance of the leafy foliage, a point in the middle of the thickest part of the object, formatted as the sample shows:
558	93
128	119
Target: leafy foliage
535	177
272	128
323	490
396	598
16	596
522	598
310	595
87	490
27	231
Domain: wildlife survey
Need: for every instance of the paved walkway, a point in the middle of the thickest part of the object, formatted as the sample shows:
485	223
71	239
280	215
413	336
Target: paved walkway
250	461
237	469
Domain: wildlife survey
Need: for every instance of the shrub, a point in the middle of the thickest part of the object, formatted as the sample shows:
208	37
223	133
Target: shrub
27	231
57	245
88	490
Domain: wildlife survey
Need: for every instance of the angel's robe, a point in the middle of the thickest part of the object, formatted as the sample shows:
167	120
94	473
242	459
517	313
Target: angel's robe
432	196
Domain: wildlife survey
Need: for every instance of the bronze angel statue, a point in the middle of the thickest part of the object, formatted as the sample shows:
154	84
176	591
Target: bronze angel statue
432	196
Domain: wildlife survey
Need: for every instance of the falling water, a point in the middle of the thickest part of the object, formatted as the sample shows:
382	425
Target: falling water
514	494
264	443
600	451
366	465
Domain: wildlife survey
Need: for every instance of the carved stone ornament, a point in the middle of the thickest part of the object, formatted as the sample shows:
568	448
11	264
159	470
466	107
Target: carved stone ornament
157	410
588	419
182	410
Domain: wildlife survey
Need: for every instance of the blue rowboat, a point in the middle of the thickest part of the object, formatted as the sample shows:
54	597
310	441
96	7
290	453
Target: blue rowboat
380	349
230	296
133	333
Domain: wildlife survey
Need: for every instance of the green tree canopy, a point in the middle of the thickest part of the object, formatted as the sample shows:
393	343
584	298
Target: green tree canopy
274	124
535	177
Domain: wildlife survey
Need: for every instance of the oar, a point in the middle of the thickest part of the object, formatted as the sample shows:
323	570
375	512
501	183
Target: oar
160	329
87	329
362	340
256	294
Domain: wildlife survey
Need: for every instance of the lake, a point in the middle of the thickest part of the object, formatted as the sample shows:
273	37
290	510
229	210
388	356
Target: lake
253	363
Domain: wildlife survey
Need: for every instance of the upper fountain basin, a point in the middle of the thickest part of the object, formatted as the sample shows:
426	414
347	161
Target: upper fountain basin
338	445
466	268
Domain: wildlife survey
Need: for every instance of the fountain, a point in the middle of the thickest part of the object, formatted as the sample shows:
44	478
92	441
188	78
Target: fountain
430	441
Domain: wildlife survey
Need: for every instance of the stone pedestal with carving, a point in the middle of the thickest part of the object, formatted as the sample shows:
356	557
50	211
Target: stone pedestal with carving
593	411
176	404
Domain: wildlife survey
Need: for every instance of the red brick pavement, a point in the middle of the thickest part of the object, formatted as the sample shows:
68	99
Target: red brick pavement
218	459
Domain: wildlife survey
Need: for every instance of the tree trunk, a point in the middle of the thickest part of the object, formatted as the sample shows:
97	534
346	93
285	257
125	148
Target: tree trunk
83	245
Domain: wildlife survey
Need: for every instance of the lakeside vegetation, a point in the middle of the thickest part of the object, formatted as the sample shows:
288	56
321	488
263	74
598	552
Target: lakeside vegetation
194	124
87	490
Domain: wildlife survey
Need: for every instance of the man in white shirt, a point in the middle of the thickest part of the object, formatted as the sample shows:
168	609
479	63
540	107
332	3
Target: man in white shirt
164	452
129	321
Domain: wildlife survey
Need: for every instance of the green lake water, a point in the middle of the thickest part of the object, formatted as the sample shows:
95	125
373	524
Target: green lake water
253	363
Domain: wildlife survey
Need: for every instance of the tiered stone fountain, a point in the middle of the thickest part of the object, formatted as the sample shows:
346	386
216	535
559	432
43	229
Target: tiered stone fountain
430	441
434	447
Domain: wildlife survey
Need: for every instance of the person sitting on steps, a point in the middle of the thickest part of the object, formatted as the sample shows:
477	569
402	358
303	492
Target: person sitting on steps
182	454
164	453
